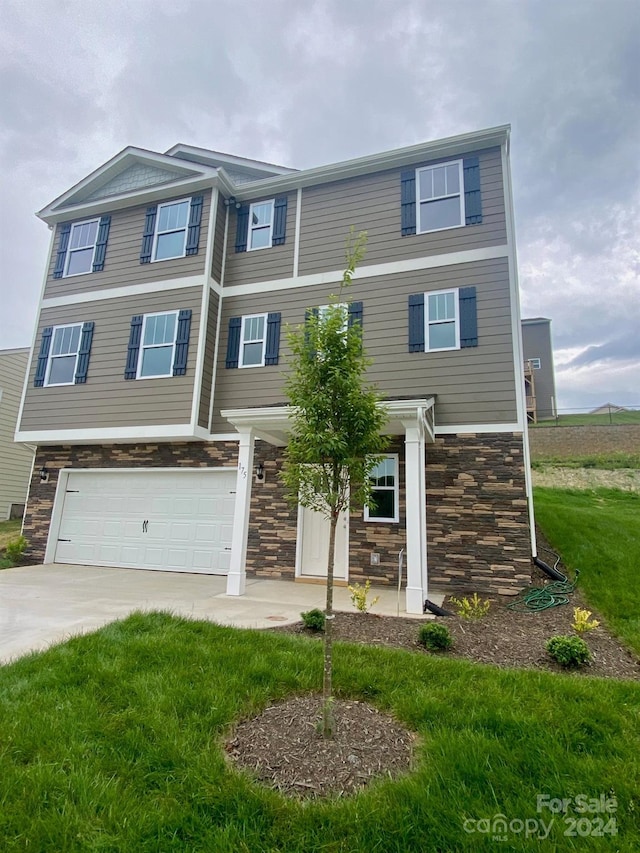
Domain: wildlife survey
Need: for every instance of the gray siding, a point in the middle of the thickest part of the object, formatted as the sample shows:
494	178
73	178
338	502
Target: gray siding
209	353
261	264
15	459
371	203
536	342
107	399
218	244
122	263
474	385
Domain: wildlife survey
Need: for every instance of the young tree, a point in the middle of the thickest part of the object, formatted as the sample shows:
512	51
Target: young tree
335	436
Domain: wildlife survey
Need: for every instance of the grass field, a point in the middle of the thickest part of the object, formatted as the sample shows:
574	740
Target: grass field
605	461
630	417
9	530
112	742
598	532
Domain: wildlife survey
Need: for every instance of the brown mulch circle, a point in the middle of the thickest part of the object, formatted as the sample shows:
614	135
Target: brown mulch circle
284	747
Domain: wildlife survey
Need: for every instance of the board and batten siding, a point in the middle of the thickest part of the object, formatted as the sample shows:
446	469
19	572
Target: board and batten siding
472	386
15	459
122	261
371	203
261	264
209	356
218	240
107	399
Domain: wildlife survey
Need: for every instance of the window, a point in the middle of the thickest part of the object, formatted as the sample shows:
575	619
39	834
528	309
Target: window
384	491
442	331
440	196
82	245
63	355
344	308
260	224
252	340
535	363
171	230
157	347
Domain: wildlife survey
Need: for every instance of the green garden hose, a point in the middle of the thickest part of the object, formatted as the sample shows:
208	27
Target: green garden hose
542	598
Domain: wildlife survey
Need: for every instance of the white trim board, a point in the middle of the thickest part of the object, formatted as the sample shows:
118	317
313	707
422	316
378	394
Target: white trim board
489	253
118	435
127	290
469	429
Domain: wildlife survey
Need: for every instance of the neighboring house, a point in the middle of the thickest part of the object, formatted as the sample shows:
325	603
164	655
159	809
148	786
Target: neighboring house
539	373
155	392
16	460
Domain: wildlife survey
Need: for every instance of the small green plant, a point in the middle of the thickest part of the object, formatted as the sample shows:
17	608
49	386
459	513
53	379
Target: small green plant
16	548
359	595
435	637
581	622
314	619
471	608
568	651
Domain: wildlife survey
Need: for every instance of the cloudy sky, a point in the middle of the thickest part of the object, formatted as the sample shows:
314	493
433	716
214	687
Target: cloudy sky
304	83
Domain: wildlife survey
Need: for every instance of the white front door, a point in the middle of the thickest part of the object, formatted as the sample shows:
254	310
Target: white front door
313	545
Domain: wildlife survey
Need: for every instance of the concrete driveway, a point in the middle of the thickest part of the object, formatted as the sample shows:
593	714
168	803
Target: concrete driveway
42	605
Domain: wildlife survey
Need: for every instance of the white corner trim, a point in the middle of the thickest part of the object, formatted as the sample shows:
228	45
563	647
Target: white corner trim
469	429
296	243
118	435
468	256
127	290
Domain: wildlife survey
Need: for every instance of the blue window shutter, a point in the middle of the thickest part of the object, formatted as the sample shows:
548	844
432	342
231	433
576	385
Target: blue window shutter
242	228
272	351
279	221
355	313
408	201
310	312
43	357
61	257
147	237
468	317
233	344
84	353
182	342
472	196
134	347
101	244
416	323
193	232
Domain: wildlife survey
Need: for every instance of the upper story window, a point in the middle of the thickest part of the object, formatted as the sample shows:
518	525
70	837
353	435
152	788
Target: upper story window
440	196
171	230
260	224
63	356
384	491
82	245
442	321
158	342
535	363
253	339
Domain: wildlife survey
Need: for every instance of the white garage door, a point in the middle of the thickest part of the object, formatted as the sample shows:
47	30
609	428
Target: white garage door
176	521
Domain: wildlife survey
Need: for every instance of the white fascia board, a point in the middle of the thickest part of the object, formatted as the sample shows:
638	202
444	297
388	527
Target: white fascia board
114	435
473	429
194	177
452	146
230	159
186	282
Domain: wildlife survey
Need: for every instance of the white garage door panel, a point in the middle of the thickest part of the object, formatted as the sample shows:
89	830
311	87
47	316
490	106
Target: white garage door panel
164	520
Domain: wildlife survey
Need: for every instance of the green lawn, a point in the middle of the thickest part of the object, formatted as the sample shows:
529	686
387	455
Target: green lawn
111	742
9	530
630	417
606	461
598	532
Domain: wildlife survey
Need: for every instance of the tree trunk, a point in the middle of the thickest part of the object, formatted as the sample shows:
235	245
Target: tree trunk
328	721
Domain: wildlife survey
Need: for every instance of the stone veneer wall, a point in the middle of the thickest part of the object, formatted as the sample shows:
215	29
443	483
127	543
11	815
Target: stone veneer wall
477	519
41	495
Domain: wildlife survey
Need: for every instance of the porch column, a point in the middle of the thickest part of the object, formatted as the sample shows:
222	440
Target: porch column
415	500
237	570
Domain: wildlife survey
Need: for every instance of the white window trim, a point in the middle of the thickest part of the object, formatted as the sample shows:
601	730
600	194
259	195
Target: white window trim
535	363
456	319
419	200
396	494
243	342
51	356
157	231
70	251
155	346
251	229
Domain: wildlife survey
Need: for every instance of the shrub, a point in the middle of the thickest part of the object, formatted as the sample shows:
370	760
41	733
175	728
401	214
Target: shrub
581	621
16	548
568	651
435	637
471	608
359	597
313	619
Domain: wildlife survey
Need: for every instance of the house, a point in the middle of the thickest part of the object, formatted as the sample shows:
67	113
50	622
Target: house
539	373
155	389
16	460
